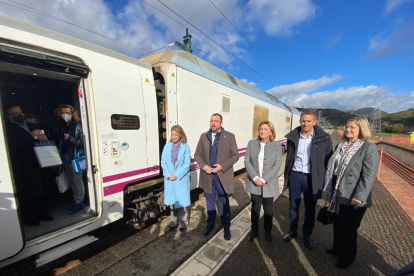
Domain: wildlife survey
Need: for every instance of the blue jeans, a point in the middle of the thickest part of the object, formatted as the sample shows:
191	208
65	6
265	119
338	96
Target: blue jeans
224	205
301	184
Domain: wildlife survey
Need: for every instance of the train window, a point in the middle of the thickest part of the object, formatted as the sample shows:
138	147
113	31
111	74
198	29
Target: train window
125	122
260	114
225	104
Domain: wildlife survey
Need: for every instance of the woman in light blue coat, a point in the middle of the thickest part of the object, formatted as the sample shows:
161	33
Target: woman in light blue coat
175	162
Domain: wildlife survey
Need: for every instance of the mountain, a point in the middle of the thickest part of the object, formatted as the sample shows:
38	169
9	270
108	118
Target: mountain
336	117
333	116
366	112
403	117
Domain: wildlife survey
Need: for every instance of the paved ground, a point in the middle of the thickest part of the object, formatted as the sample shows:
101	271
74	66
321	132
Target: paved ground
386	242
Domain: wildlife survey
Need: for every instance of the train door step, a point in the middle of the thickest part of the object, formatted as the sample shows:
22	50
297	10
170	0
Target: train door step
61	250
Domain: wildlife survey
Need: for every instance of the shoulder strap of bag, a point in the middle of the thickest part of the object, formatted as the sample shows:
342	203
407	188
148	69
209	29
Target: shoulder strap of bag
76	136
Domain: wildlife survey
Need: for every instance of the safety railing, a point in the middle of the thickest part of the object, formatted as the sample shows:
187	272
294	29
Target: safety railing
402	170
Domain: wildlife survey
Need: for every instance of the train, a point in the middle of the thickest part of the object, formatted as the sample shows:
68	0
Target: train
127	107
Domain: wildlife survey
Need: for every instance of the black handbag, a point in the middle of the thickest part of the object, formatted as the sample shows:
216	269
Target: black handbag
324	216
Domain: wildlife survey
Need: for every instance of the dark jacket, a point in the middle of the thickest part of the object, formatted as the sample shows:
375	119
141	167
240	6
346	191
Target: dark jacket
27	174
73	140
227	156
320	152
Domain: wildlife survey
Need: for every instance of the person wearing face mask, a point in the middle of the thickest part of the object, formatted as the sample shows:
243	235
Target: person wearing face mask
26	171
71	138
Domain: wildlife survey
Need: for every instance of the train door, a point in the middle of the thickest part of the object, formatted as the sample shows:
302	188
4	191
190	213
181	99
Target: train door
12	240
172	117
38	81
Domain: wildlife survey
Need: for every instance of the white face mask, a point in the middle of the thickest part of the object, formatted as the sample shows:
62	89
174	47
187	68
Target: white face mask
66	117
31	120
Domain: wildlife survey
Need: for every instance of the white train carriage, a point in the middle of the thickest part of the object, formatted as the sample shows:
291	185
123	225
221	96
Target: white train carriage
127	107
190	89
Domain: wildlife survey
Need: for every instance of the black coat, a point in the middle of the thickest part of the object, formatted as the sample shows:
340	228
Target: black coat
27	174
320	152
73	140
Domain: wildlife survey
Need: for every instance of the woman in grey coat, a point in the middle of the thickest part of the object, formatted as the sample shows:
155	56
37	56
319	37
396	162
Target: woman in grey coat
349	178
262	161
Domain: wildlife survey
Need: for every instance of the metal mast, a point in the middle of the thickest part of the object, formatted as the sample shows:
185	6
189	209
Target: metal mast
376	114
186	45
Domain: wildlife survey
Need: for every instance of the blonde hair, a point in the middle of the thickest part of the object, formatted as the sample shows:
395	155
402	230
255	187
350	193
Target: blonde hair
272	128
75	114
364	128
180	131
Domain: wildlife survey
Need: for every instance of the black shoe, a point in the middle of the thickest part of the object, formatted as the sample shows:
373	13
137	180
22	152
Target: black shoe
207	230
268	236
227	234
290	236
308	242
173	227
332	251
252	235
44	217
182	229
342	265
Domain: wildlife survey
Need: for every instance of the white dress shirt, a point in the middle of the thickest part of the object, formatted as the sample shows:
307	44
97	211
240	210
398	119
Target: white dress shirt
302	160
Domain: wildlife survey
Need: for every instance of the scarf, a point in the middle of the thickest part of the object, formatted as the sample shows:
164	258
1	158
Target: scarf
343	162
174	152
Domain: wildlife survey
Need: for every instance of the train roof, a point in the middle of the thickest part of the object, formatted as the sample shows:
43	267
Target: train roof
205	69
27	27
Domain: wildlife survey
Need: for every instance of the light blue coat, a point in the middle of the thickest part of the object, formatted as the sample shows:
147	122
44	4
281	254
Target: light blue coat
176	192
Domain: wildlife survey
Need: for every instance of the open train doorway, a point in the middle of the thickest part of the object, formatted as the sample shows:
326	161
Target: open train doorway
31	99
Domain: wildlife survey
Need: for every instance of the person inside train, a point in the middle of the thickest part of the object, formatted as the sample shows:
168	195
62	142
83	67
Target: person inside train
71	141
26	170
49	174
262	162
349	178
175	163
40	119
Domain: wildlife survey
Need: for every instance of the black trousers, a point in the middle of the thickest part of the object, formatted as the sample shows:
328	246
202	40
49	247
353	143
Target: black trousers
345	230
257	201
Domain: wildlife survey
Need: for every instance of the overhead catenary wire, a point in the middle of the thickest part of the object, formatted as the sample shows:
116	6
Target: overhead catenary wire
38	12
251	45
201	50
204	41
250	76
274	85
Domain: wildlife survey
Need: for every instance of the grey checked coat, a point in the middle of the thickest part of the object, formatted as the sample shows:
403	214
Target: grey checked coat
271	166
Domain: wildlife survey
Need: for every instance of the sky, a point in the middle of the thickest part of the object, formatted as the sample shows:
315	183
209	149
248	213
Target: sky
330	54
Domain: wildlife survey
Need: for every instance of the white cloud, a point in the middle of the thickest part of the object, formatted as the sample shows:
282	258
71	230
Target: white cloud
141	25
249	82
399	41
333	41
353	98
391	5
280	17
299	88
